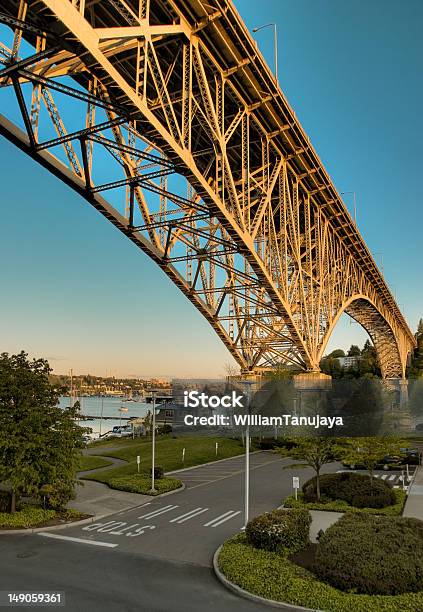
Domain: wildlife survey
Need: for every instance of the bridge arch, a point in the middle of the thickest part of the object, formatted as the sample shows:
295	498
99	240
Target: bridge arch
392	356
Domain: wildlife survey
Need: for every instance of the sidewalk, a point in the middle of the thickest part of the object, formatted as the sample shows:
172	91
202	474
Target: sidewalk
414	504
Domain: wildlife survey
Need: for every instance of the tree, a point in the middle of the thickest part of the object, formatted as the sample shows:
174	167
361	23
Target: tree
337	353
39	442
354	351
314	453
416	366
369	451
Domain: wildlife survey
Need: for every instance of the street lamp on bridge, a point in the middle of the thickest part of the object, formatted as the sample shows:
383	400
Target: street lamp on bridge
353	193
275	32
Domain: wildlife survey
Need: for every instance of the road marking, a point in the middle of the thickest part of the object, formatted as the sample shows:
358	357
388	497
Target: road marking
384	476
81	540
159	511
232	514
392	477
188	515
217	518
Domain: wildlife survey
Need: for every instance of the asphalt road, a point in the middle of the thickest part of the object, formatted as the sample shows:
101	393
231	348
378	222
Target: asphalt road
107	580
157	556
189	525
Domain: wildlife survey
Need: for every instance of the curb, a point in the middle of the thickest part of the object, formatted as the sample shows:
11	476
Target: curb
247	595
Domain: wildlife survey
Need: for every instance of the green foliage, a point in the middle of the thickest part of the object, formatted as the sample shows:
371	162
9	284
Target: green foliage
354	351
372	554
416	366
158	472
355	489
370	451
38	440
314	453
338	505
283	531
273	576
5	501
29	516
142	484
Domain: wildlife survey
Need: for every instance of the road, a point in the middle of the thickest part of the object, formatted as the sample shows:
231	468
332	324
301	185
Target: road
156	556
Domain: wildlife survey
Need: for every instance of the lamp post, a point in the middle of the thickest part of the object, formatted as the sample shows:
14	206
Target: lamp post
275	33
101	415
153	441
247	392
353	193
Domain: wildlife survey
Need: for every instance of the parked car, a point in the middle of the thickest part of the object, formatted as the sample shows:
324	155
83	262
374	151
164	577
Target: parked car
408	456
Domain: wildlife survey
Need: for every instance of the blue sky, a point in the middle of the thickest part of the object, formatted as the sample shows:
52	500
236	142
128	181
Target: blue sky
76	291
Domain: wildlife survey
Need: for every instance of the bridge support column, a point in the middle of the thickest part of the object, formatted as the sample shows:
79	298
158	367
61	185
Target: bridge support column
400	385
311	388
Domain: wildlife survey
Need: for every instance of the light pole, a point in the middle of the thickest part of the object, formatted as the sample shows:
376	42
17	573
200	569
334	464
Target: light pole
153	441
353	193
275	32
247	392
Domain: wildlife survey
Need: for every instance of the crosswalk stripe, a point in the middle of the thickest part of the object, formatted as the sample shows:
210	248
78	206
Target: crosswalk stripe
189	515
384	476
377	475
217	518
158	511
392	477
231	516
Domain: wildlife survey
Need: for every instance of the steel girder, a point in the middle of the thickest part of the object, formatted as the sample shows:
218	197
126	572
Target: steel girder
170	108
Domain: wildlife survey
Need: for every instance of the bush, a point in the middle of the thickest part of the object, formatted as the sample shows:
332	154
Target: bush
339	505
356	489
165	429
141	483
29	516
275	577
58	494
5	501
158	472
281	531
372	554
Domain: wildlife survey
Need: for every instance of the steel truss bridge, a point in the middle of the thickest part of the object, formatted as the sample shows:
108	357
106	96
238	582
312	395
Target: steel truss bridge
165	117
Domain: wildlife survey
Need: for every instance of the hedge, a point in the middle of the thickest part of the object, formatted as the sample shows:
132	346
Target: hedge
273	576
342	506
34	516
356	489
141	483
372	554
283	531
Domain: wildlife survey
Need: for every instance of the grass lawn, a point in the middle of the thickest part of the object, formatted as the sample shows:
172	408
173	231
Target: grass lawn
342	506
168	454
91	463
273	576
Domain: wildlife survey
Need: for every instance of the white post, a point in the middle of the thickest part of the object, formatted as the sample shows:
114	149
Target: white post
138	463
101	415
217	446
403	480
408	473
247	385
153	442
183	455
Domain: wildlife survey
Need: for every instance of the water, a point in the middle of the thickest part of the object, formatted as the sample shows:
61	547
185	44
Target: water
92	406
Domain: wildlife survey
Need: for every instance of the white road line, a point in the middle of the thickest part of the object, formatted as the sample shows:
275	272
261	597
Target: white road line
226	519
217	518
384	477
158	512
81	540
188	515
377	475
392	477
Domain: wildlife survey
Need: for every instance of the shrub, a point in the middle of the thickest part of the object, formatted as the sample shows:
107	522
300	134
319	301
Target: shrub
275	577
141	483
355	489
158	472
58	494
372	554
29	516
339	505
5	501
281	530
